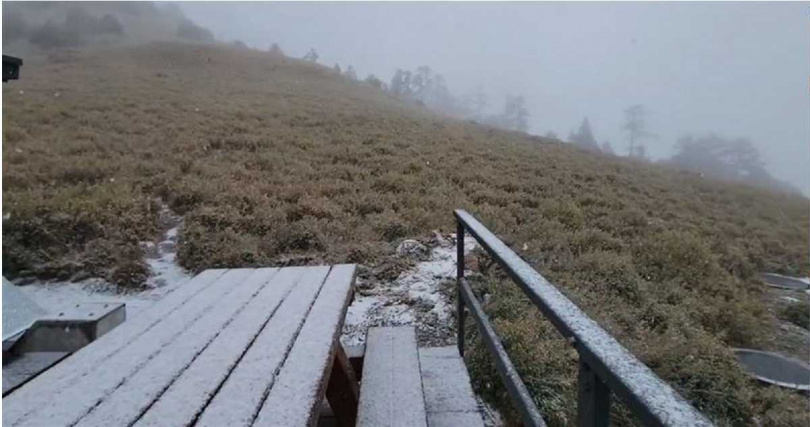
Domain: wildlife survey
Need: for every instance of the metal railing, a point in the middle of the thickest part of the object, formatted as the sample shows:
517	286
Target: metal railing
605	366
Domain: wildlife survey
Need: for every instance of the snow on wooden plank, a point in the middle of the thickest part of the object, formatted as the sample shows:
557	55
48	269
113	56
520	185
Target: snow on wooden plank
129	401
187	396
238	401
391	391
449	399
298	391
70	403
39	392
652	399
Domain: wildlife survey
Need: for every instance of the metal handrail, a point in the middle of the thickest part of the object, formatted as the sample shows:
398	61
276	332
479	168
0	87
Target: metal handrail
605	366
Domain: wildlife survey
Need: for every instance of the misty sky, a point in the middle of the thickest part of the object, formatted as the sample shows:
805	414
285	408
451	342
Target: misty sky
732	68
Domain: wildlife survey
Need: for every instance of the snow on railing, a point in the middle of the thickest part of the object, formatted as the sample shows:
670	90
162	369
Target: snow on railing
605	366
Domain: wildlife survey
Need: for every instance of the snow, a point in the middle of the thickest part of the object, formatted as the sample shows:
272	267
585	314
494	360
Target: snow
391	373
19	311
198	351
661	400
167	275
413	298
299	386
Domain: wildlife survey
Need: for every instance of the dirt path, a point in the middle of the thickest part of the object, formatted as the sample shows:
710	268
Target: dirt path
418	296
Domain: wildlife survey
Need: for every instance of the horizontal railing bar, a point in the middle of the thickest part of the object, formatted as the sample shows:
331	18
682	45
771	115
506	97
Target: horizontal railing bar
514	385
651	399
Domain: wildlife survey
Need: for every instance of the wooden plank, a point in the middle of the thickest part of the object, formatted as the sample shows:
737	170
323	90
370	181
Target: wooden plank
391	392
343	390
238	401
449	398
189	394
296	395
70	403
39	391
129	401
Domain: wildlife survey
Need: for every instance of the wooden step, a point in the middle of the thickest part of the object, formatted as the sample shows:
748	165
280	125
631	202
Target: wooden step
449	399
391	389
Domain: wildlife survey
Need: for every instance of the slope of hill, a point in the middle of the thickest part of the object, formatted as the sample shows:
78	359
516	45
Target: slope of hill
276	161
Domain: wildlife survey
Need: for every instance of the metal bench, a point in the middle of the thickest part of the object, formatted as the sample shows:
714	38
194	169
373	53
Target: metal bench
406	386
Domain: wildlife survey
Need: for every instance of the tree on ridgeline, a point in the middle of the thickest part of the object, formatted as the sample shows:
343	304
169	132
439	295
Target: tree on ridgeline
551	135
276	51
397	85
350	73
190	31
584	136
311	56
337	69
635	123
375	82
725	158
515	114
478	103
607	148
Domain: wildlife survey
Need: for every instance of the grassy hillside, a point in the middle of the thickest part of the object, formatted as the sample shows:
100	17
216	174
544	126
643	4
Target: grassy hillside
274	161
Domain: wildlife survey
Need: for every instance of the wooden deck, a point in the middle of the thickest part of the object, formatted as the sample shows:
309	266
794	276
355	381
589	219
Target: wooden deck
233	347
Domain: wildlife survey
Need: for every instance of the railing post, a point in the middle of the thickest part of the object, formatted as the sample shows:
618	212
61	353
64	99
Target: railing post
460	313
593	404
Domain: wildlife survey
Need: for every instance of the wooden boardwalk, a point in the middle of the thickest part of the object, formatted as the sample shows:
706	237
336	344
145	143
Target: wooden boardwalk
233	347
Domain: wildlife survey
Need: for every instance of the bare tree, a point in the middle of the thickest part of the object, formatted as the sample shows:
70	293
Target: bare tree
635	123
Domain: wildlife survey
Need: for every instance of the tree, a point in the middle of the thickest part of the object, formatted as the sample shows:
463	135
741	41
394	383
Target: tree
731	159
374	82
636	126
584	136
406	84
478	102
311	56
50	35
108	24
551	135
337	69
350	73
190	31
397	83
516	114
607	148
276	51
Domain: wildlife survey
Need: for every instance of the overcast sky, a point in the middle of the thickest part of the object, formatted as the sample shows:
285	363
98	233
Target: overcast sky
738	69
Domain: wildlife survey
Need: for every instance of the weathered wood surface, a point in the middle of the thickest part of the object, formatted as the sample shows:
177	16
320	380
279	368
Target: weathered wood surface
449	398
231	347
391	390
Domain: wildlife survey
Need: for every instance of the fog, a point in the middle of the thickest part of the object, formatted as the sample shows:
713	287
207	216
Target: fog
740	70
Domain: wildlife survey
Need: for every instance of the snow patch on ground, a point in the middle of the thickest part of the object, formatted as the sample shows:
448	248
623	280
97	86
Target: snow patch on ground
413	298
55	296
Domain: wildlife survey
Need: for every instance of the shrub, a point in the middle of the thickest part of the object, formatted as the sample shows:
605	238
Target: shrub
797	313
50	36
190	31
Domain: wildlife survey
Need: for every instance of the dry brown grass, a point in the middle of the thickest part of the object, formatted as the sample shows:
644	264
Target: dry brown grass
274	161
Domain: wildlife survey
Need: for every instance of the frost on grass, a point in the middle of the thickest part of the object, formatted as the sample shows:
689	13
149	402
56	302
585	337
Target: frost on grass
415	297
166	276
